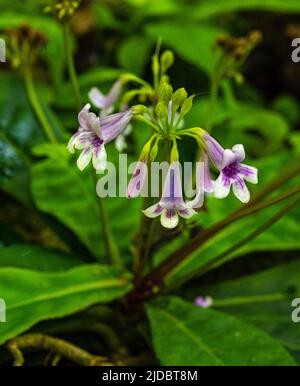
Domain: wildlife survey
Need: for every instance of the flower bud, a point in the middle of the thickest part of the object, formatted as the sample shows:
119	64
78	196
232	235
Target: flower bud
155	65
139	109
154	151
165	92
187	105
179	96
161	110
166	60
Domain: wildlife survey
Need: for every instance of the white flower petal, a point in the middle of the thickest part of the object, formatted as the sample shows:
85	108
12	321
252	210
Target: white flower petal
222	186
84	158
120	143
249	173
240	190
239	152
153	211
228	158
100	159
187	212
167	220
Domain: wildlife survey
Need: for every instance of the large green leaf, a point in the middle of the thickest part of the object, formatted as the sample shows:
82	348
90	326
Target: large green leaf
283	235
192	42
184	334
209	8
31	296
37	258
263	299
61	190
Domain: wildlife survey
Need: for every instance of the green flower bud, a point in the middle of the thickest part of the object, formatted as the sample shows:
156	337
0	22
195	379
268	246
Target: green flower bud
139	109
155	65
174	152
154	151
165	92
187	105
179	96
161	110
166	60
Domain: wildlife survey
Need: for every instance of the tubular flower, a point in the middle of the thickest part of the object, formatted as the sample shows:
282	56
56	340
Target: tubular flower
94	133
232	170
171	204
137	180
106	102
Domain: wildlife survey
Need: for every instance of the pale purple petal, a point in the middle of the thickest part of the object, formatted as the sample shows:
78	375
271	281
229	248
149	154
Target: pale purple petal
137	180
105	102
204	301
229	157
114	125
249	173
72	142
240	190
239	152
172	190
214	150
82	117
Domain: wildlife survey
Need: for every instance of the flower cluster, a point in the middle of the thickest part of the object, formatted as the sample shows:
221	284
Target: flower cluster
165	116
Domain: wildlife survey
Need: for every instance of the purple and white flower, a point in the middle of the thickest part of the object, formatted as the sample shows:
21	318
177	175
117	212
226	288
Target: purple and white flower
171	204
232	170
106	102
204	301
93	133
137	180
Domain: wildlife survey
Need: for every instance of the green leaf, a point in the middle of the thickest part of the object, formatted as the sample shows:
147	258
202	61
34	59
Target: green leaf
186	335
133	54
283	235
60	189
264	299
31	296
37	258
208	8
192	42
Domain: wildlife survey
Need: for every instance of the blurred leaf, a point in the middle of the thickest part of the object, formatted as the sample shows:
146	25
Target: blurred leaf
288	107
133	54
105	16
184	334
157	8
37	258
190	41
264	299
210	8
34	296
